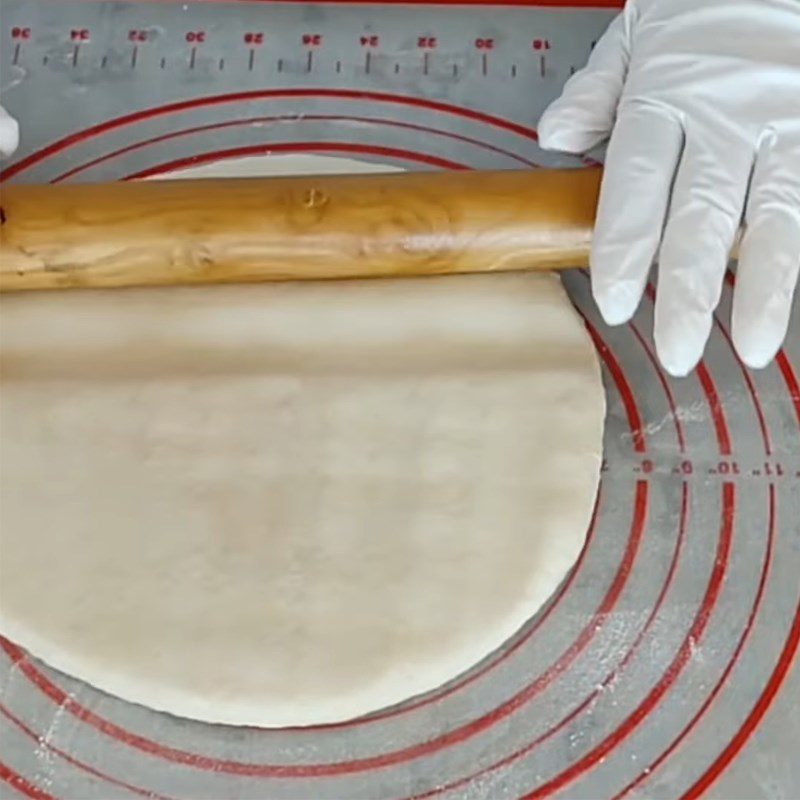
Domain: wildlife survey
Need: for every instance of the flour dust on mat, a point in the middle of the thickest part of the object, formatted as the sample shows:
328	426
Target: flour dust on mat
295	503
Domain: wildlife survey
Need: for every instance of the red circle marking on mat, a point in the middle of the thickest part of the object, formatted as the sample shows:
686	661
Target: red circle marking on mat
647	773
651	356
783	364
710	391
261	94
762	583
751	388
717	415
628	400
785	660
682	657
673	410
279	119
793	640
41	742
753	720
21	785
791	382
296	147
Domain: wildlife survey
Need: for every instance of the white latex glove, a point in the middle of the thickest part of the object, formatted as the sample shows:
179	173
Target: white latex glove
9	134
702	101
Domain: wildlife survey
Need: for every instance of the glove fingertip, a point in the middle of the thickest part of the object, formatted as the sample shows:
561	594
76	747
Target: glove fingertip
9	135
678	364
756	360
680	343
756	346
617	303
678	369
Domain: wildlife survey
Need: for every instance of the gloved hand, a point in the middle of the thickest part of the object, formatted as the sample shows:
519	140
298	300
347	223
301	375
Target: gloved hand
9	134
702	102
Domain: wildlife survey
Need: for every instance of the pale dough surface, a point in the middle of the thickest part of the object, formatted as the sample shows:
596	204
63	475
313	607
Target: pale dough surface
290	504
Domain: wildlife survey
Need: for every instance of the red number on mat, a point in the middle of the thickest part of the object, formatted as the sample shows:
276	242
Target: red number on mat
728	468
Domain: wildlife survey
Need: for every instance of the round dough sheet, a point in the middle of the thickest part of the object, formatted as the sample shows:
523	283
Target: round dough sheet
290	504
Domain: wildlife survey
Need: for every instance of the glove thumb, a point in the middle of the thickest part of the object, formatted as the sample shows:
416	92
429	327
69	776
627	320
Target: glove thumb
9	134
584	114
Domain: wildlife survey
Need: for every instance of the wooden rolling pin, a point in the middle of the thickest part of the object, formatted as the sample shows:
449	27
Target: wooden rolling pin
220	231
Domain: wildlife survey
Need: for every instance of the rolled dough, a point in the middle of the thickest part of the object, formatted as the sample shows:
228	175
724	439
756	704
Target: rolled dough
290	504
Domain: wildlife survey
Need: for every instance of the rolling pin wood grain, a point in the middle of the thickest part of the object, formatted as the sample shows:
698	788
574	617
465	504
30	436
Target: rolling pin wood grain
156	233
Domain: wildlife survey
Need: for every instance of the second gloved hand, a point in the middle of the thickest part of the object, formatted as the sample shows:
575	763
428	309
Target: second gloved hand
702	104
9	134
